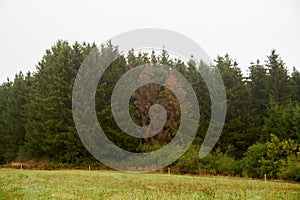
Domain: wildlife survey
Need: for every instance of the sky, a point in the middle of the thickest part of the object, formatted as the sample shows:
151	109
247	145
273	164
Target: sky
247	30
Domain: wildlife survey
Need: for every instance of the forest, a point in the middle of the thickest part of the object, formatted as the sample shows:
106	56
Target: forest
261	134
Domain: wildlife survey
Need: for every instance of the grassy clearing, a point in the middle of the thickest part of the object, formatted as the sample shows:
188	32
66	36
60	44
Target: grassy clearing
80	184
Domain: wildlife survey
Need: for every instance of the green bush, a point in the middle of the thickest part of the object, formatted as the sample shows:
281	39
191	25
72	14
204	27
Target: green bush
189	161
213	163
291	170
252	162
224	164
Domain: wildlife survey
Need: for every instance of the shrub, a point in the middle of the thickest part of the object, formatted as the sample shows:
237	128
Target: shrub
252	162
291	170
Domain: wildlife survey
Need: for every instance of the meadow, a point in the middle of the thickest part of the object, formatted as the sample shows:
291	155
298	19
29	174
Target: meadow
84	184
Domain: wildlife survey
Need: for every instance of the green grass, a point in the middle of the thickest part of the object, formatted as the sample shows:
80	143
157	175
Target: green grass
80	184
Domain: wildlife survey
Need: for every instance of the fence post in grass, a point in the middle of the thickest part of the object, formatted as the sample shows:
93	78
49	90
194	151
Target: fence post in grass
169	171
265	178
89	168
21	166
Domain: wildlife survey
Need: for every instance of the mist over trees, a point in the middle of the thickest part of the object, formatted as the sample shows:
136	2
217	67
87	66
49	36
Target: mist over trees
261	134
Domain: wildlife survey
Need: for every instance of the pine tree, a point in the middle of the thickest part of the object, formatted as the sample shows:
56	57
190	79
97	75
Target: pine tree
279	85
50	130
295	78
238	133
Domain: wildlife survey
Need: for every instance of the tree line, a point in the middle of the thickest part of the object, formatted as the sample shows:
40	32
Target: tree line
261	134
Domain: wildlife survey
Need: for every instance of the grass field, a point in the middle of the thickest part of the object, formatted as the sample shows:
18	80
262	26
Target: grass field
80	184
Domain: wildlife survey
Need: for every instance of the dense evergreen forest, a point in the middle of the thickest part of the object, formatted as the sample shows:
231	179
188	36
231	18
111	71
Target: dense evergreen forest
261	134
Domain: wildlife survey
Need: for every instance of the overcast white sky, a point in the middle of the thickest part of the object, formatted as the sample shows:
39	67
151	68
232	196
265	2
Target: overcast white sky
247	30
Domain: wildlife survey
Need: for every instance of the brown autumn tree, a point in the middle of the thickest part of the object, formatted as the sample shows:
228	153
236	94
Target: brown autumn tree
146	96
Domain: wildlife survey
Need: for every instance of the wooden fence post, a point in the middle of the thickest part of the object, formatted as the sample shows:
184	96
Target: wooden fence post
265	178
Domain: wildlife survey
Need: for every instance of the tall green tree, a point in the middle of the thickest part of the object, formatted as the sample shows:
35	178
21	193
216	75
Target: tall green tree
283	121
295	78
5	123
257	81
14	97
50	130
238	132
279	84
